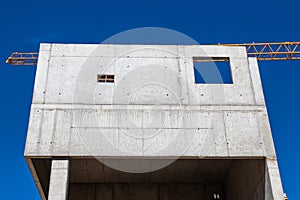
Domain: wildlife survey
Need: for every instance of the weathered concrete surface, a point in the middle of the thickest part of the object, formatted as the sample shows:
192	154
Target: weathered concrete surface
153	109
65	68
211	131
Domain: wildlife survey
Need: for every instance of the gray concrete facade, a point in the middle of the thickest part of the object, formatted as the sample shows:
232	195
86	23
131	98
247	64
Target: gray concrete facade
153	116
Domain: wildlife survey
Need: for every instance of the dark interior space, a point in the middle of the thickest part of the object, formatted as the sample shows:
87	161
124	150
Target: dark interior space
204	179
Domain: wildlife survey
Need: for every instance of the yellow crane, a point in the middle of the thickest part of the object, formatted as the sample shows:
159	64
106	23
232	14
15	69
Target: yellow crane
262	51
272	51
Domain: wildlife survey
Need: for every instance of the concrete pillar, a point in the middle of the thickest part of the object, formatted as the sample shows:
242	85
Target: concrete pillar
59	178
273	188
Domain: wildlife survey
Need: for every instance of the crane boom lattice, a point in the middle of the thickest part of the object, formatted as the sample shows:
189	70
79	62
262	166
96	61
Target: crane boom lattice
272	51
17	58
262	51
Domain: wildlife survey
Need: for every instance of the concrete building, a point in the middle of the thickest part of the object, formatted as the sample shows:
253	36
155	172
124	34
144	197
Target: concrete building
132	122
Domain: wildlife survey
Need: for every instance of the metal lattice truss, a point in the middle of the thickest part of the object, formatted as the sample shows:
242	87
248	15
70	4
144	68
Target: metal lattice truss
272	51
17	58
262	51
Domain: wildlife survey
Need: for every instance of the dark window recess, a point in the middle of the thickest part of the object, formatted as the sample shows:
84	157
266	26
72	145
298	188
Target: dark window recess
214	70
105	78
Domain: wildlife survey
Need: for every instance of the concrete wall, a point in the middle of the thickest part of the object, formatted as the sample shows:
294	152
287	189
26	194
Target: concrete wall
138	191
153	109
246	180
69	105
61	130
66	74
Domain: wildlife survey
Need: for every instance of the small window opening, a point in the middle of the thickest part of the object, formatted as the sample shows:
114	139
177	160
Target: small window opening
215	70
105	78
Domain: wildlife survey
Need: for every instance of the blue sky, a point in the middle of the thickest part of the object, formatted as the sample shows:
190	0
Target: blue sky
24	24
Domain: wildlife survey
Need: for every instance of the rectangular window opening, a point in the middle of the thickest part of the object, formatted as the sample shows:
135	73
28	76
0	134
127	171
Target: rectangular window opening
212	70
105	78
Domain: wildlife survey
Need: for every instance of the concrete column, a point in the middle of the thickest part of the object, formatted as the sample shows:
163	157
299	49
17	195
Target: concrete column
59	178
273	187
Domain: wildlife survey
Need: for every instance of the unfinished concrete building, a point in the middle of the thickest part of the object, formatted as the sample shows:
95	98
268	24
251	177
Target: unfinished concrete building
132	122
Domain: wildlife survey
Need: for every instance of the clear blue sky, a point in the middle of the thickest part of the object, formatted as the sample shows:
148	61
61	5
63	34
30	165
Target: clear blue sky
24	24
